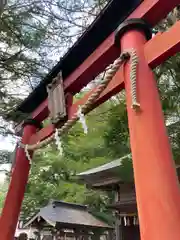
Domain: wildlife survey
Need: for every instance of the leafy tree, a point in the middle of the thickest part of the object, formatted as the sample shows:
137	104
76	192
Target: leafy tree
33	36
3	191
2	197
54	176
117	135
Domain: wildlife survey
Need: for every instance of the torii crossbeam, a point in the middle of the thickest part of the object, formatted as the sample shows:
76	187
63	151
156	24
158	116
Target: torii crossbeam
157	187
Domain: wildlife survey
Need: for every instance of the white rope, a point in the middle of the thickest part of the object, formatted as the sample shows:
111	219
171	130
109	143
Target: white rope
27	154
134	62
82	120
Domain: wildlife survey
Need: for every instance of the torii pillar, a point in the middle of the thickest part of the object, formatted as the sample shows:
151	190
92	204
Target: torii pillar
157	186
19	178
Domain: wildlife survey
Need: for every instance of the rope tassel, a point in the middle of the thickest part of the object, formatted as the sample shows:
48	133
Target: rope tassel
133	73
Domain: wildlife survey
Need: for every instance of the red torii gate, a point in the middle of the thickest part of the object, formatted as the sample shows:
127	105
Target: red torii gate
157	186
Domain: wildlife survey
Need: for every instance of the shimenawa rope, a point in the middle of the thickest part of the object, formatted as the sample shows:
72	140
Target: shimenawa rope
84	109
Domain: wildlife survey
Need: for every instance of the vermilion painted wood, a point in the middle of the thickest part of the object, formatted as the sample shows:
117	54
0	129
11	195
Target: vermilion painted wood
43	111
151	10
163	46
42	134
157	186
156	50
14	198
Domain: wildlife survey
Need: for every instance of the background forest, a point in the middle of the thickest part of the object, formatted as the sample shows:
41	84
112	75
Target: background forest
33	37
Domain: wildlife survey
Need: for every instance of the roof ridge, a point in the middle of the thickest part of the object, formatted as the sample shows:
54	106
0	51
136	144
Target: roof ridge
70	204
100	167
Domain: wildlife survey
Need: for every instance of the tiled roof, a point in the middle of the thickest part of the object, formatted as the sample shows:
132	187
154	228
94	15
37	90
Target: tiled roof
67	214
111	165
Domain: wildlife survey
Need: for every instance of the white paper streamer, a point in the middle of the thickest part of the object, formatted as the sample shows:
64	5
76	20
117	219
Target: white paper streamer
82	120
134	220
58	142
30	233
125	221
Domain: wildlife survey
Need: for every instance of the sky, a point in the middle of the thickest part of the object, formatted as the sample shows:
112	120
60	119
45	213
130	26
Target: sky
3	169
6	143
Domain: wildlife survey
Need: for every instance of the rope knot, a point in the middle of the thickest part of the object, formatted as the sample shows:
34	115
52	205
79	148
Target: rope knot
124	56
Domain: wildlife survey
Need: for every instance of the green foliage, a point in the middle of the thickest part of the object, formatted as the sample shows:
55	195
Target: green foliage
117	136
3	191
2	197
126	169
54	177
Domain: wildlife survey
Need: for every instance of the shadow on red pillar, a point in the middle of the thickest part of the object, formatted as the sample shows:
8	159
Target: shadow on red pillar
14	198
157	187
